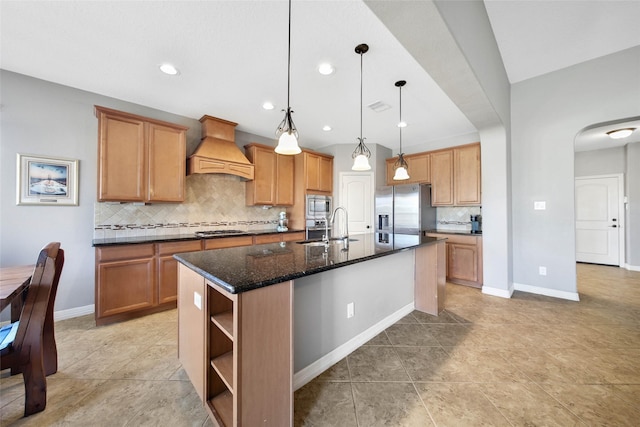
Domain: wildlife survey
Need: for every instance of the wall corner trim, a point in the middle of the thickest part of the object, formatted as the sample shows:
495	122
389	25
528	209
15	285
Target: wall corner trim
497	292
74	312
572	296
632	267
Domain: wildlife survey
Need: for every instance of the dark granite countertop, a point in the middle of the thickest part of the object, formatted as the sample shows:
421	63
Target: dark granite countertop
462	232
176	238
250	267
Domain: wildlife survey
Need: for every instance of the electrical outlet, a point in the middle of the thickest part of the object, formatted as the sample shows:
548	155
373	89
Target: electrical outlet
350	310
539	206
197	300
542	270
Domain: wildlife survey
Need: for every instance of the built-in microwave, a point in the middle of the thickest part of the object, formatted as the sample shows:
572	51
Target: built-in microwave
318	206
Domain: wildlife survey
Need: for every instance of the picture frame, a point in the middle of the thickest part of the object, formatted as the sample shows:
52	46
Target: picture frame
46	180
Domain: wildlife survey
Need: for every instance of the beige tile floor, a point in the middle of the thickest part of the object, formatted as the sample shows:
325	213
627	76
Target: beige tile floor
529	360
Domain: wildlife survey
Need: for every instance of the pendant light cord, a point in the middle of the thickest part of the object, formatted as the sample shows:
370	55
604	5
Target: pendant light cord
289	60
361	53
400	123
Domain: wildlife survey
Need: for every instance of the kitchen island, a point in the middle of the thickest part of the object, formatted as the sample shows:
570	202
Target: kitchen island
237	340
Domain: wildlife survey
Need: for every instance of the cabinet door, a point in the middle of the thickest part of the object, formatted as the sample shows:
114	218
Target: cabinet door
167	163
442	178
467	175
312	171
121	158
167	268
463	262
419	169
284	180
125	286
261	191
325	174
390	171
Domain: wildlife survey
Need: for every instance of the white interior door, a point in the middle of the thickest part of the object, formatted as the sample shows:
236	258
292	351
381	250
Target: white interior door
598	222
356	195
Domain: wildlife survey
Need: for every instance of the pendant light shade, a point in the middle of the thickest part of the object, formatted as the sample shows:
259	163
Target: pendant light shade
401	166
361	154
287	133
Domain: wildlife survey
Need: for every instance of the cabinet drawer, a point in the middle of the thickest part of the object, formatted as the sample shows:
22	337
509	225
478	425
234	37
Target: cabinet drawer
267	238
228	242
171	248
456	238
293	237
114	253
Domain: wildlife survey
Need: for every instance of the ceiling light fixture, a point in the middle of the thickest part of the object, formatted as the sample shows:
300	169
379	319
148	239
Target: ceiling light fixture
326	128
361	154
287	133
267	106
326	69
169	69
620	133
401	165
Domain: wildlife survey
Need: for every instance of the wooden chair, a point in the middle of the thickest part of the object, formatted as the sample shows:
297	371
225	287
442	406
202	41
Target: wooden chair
33	350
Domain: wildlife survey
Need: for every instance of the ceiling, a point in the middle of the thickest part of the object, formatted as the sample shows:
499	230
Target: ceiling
232	57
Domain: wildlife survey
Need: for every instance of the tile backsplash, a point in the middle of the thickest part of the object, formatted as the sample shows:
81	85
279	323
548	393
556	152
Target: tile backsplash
212	201
456	218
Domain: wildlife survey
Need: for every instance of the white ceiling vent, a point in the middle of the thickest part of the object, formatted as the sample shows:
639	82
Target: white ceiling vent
378	106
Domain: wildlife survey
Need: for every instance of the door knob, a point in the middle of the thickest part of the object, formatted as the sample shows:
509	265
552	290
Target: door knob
613	226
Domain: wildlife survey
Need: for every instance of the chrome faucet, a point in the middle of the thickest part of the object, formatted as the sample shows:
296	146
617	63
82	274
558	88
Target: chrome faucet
345	237
325	236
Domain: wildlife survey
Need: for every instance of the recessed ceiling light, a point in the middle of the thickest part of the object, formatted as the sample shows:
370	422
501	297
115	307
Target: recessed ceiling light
620	133
267	106
169	69
325	69
326	128
402	124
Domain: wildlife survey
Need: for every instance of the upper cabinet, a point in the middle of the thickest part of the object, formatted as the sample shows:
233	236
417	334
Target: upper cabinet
454	174
273	177
419	169
318	171
139	159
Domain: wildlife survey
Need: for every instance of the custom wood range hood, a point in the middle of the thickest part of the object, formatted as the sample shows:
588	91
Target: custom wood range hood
218	152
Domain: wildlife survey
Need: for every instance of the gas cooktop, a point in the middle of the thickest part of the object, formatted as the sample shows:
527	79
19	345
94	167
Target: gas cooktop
210	233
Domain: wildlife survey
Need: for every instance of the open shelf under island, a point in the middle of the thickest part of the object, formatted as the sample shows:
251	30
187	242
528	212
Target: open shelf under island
237	309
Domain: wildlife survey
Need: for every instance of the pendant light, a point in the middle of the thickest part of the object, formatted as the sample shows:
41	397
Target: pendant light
361	154
287	133
401	166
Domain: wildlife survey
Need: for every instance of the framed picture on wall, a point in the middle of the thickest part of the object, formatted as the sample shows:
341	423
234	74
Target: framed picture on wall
47	181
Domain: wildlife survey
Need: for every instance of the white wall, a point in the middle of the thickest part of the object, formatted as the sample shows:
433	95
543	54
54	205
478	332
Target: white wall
600	162
633	206
547	113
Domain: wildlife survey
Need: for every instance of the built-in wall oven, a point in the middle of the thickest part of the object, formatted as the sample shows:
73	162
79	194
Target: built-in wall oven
318	210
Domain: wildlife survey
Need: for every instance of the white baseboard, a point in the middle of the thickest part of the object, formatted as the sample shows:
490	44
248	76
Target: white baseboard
497	292
307	374
74	312
573	296
632	267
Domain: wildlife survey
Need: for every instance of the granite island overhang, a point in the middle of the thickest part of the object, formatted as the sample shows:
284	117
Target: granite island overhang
238	269
249	317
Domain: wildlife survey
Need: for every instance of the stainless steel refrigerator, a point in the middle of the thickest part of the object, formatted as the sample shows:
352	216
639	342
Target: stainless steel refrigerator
404	209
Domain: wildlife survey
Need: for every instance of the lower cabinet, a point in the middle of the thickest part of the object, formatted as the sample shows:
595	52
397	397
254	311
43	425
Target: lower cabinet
464	259
139	279
237	350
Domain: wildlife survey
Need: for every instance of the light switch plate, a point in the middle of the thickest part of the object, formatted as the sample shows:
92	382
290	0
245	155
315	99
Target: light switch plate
539	206
197	300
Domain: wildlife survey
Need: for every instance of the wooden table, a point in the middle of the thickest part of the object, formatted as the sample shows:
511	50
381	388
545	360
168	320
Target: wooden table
13	281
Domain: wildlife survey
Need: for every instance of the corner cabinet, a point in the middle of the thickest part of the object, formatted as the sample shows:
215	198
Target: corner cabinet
237	350
272	184
139	159
456	176
464	258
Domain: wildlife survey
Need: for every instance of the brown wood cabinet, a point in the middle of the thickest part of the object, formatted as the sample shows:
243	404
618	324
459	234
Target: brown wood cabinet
467	179
442	178
464	258
237	350
318	172
139	279
139	159
273	179
419	169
